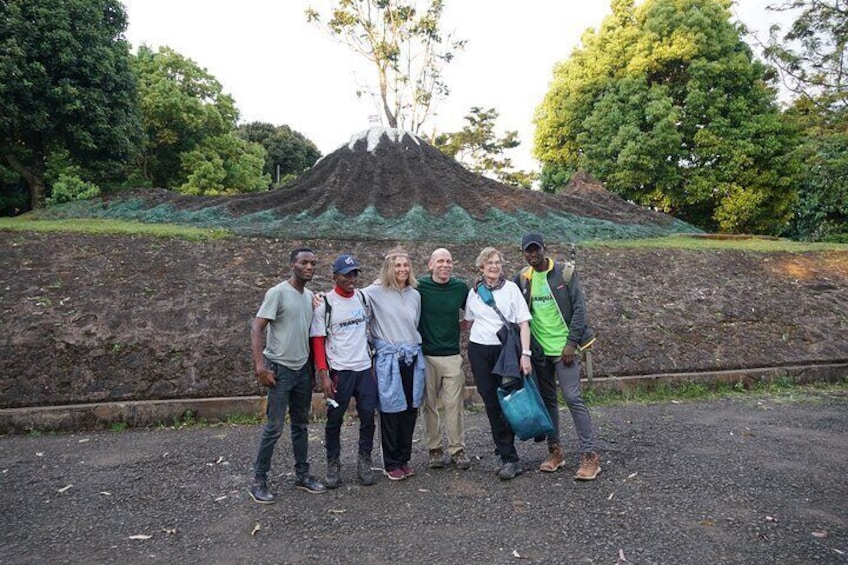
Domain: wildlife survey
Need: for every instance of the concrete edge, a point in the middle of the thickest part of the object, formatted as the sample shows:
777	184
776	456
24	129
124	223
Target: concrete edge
144	413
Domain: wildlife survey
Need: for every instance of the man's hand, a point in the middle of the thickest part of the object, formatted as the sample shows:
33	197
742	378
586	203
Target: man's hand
317	299
568	354
326	382
265	377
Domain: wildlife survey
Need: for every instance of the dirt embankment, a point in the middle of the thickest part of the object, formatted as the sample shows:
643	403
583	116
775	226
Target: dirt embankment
99	318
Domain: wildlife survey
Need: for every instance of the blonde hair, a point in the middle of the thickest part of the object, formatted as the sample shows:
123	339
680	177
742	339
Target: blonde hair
484	256
387	273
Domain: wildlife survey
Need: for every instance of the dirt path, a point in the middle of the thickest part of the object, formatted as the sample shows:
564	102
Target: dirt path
750	480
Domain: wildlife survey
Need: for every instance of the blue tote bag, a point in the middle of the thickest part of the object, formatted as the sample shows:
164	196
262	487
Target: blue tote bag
524	410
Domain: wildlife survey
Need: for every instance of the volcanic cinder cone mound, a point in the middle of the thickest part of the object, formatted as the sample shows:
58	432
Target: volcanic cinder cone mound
391	184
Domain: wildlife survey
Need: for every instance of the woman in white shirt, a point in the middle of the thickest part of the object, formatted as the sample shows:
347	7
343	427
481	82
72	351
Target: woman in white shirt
484	347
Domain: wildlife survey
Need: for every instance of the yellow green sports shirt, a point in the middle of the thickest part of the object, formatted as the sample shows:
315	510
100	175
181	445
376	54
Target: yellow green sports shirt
547	324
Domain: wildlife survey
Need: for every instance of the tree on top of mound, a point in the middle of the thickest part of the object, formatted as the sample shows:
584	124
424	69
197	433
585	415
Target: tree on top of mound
403	41
666	106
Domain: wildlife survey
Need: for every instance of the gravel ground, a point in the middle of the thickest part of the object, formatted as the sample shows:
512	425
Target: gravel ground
758	479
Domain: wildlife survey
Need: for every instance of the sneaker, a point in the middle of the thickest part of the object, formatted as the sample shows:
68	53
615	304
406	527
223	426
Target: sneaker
309	484
259	492
461	460
334	470
364	471
509	470
407	470
589	467
555	460
437	459
396	474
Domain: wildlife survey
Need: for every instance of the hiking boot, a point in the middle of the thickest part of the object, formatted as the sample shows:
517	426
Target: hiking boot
407	470
437	459
259	492
309	484
461	460
334	470
509	470
396	474
363	470
589	468
555	460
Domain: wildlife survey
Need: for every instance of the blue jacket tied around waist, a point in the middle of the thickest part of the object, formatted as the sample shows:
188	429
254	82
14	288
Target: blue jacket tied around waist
389	385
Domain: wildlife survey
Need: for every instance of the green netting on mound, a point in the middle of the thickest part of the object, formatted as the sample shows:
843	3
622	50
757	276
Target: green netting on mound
455	226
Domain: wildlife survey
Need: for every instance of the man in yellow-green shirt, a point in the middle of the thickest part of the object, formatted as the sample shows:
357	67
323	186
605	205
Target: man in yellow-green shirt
559	331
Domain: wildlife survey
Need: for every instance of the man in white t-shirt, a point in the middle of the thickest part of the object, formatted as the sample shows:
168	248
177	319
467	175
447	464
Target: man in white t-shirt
339	335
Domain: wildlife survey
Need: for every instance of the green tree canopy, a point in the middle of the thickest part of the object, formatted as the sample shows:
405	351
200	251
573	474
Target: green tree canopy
65	84
477	147
190	141
289	153
181	106
666	105
812	57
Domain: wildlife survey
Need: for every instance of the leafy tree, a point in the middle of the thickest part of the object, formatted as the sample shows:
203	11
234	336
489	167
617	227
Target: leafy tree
812	57
65	84
181	106
403	42
224	164
477	147
289	153
666	105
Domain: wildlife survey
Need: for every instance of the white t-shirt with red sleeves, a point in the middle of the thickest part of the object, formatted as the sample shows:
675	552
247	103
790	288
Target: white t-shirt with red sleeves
346	341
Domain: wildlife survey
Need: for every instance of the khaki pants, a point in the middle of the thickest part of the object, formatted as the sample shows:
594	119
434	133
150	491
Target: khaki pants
444	388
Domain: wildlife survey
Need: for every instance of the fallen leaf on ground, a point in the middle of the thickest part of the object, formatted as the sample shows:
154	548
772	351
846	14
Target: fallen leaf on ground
256	528
220	459
105	493
140	536
63	489
39	454
610	496
423	490
516	555
632	475
771	519
220	498
820	534
336	511
621	557
171	531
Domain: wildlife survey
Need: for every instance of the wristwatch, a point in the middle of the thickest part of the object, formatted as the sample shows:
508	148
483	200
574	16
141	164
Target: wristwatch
527	353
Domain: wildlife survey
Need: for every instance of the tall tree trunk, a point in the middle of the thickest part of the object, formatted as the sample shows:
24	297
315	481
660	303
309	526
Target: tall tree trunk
33	176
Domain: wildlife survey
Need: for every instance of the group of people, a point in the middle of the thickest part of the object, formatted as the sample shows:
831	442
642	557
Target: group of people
394	346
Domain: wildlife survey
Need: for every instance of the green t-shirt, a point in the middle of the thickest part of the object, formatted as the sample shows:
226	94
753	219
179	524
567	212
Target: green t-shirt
439	322
547	325
287	336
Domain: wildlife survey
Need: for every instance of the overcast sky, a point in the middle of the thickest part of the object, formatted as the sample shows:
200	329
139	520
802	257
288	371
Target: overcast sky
281	70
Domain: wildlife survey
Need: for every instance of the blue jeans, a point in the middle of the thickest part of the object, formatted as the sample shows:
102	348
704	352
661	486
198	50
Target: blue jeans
293	391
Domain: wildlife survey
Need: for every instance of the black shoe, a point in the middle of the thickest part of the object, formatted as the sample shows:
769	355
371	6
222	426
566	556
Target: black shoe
259	492
509	471
363	469
334	470
310	484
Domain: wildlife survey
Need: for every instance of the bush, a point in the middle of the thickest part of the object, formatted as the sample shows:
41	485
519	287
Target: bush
70	187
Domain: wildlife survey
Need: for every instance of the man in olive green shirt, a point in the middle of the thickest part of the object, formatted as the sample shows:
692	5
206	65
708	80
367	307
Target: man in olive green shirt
442	299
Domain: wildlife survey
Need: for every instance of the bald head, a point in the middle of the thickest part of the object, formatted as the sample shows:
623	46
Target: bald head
441	265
